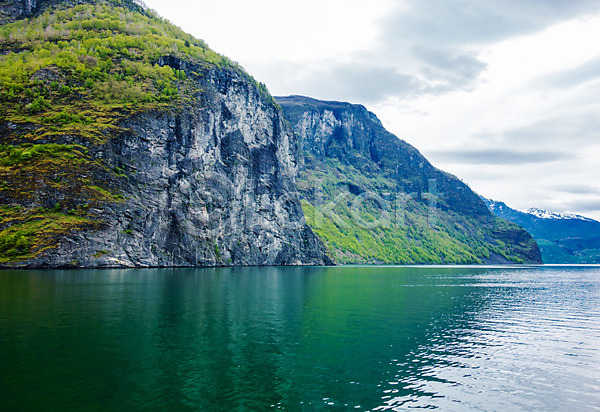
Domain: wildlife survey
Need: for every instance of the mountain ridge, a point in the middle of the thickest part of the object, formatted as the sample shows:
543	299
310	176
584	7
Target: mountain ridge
354	170
562	237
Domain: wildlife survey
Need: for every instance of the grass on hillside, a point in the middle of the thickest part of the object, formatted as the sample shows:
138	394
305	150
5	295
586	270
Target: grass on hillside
382	226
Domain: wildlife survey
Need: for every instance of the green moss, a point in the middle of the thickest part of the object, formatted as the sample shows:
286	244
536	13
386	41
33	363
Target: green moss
100	253
27	233
106	195
38	171
11	155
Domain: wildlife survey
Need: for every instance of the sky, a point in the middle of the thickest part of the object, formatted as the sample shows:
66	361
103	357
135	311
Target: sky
504	94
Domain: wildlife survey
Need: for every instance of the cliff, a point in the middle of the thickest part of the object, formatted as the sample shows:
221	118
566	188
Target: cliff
126	142
373	198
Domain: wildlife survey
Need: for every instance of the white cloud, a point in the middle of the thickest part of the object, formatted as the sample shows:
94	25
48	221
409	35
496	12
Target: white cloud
254	31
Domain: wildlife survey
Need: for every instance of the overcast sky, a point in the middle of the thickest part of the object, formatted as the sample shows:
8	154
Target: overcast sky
505	94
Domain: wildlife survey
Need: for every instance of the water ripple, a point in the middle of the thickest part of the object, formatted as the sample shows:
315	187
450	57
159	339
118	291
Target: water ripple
360	338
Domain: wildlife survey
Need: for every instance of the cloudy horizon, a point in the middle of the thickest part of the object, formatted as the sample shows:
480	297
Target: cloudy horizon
501	94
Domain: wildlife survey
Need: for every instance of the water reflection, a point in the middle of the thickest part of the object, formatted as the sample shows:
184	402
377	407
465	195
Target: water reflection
365	338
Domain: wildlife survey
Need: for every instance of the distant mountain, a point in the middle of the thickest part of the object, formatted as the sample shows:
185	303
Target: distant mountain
546	214
562	237
373	198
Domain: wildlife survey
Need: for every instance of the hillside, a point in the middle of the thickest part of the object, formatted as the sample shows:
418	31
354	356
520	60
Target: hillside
125	142
373	198
562	238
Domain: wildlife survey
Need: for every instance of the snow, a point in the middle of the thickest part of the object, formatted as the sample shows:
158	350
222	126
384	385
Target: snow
496	206
546	214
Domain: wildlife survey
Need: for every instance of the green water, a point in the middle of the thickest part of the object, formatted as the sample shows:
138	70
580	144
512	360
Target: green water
344	338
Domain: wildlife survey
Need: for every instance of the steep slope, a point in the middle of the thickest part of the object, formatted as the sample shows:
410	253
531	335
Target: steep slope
562	238
373	198
13	10
126	142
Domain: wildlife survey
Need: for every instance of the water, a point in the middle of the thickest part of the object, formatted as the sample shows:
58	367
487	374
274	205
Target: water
345	338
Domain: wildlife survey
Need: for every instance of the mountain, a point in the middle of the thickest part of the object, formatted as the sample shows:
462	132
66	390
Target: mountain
126	142
546	214
562	237
373	198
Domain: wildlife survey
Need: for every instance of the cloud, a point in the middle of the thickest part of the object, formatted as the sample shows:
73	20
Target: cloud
354	82
405	58
579	125
430	48
423	48
584	205
577	189
585	73
454	69
469	22
501	157
363	83
437	42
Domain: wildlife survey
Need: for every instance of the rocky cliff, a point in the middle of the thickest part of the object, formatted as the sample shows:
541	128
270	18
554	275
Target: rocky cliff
373	198
125	142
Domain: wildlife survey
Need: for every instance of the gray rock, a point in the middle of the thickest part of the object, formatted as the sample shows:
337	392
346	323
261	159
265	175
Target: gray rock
208	184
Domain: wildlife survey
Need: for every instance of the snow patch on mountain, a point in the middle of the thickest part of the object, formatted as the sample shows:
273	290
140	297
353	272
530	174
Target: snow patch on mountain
546	214
497	206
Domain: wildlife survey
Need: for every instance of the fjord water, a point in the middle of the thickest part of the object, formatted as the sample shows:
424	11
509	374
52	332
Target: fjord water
360	338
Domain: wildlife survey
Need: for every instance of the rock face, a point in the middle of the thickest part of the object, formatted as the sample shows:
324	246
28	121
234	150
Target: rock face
356	170
208	181
210	184
355	136
11	10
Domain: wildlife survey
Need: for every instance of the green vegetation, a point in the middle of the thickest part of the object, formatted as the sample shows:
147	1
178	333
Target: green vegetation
376	225
559	240
217	251
100	253
27	233
17	155
73	69
32	171
556	251
38	171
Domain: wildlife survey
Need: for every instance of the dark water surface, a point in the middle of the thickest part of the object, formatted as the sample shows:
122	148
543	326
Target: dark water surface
360	338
